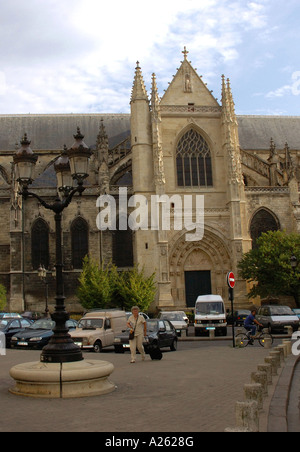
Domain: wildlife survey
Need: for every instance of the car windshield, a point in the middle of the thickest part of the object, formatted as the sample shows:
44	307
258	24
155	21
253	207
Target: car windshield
172	316
90	324
296	311
210	308
43	324
152	326
281	310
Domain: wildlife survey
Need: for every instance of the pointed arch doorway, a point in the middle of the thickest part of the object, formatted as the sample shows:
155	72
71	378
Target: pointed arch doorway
196	283
198	268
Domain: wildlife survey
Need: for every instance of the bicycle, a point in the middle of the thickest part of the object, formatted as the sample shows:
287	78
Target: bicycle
243	339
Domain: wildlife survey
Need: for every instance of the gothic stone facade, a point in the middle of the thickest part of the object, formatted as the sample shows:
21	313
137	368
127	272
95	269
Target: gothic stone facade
185	143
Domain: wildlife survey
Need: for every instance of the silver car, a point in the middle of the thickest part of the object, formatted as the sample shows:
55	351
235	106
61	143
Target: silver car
276	318
178	319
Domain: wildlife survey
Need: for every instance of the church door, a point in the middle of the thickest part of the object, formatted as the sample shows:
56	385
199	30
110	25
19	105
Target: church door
196	283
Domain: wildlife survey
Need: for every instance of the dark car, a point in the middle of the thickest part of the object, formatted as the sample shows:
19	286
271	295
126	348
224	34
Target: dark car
38	334
11	326
159	332
238	318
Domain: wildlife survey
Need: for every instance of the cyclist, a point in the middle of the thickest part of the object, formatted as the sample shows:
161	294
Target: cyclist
251	325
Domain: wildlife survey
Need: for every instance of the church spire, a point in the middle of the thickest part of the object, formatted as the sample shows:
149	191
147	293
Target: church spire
230	134
102	143
138	90
155	97
103	150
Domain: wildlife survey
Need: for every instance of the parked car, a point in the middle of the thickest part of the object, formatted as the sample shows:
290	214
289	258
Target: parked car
10	327
9	315
38	334
159	332
276	318
97	329
178	319
238	318
297	312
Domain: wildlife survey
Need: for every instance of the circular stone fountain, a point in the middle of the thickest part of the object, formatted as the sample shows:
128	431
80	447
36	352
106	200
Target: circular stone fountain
67	380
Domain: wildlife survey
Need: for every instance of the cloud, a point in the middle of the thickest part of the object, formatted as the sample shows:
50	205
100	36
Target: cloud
80	56
293	88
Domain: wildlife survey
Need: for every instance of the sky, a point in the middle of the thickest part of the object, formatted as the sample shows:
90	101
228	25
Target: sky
79	56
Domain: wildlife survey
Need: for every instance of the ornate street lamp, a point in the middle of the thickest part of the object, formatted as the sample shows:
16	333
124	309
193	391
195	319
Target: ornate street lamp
25	162
61	348
294	263
79	155
63	174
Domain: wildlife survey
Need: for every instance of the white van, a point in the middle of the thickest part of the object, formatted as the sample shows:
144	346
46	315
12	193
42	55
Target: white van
97	329
210	314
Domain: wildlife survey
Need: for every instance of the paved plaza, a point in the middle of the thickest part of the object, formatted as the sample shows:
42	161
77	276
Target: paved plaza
191	390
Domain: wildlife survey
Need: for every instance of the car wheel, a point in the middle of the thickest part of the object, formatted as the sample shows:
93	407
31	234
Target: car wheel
98	347
173	346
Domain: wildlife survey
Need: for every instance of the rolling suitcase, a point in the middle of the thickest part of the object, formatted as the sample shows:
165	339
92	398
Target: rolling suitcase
154	352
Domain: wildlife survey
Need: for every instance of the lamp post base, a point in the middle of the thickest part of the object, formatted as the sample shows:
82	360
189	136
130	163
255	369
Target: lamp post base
64	352
67	380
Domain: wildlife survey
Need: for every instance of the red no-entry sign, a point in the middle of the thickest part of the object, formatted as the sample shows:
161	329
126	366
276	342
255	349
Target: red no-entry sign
231	280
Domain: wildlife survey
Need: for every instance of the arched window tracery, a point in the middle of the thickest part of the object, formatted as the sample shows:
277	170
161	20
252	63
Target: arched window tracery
193	161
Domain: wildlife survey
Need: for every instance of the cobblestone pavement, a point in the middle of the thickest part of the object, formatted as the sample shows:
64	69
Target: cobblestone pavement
191	390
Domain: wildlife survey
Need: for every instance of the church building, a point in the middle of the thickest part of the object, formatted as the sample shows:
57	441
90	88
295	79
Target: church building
247	168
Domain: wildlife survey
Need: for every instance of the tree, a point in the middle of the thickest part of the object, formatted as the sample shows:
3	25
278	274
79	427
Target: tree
269	266
103	287
96	285
135	289
3	300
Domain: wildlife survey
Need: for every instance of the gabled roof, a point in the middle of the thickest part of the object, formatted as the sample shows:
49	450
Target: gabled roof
187	87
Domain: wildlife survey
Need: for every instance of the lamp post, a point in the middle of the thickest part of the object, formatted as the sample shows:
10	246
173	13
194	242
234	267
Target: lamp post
71	166
42	274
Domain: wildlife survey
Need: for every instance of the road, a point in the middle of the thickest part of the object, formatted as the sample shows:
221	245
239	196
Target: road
191	390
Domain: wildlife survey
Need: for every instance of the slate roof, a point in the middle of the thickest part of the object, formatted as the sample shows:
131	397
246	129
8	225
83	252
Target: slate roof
51	132
255	132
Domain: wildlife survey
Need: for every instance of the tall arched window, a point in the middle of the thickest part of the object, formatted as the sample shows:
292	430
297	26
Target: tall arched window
193	160
263	221
80	242
40	244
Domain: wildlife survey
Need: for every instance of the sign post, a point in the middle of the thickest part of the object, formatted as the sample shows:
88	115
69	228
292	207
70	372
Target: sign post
231	286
